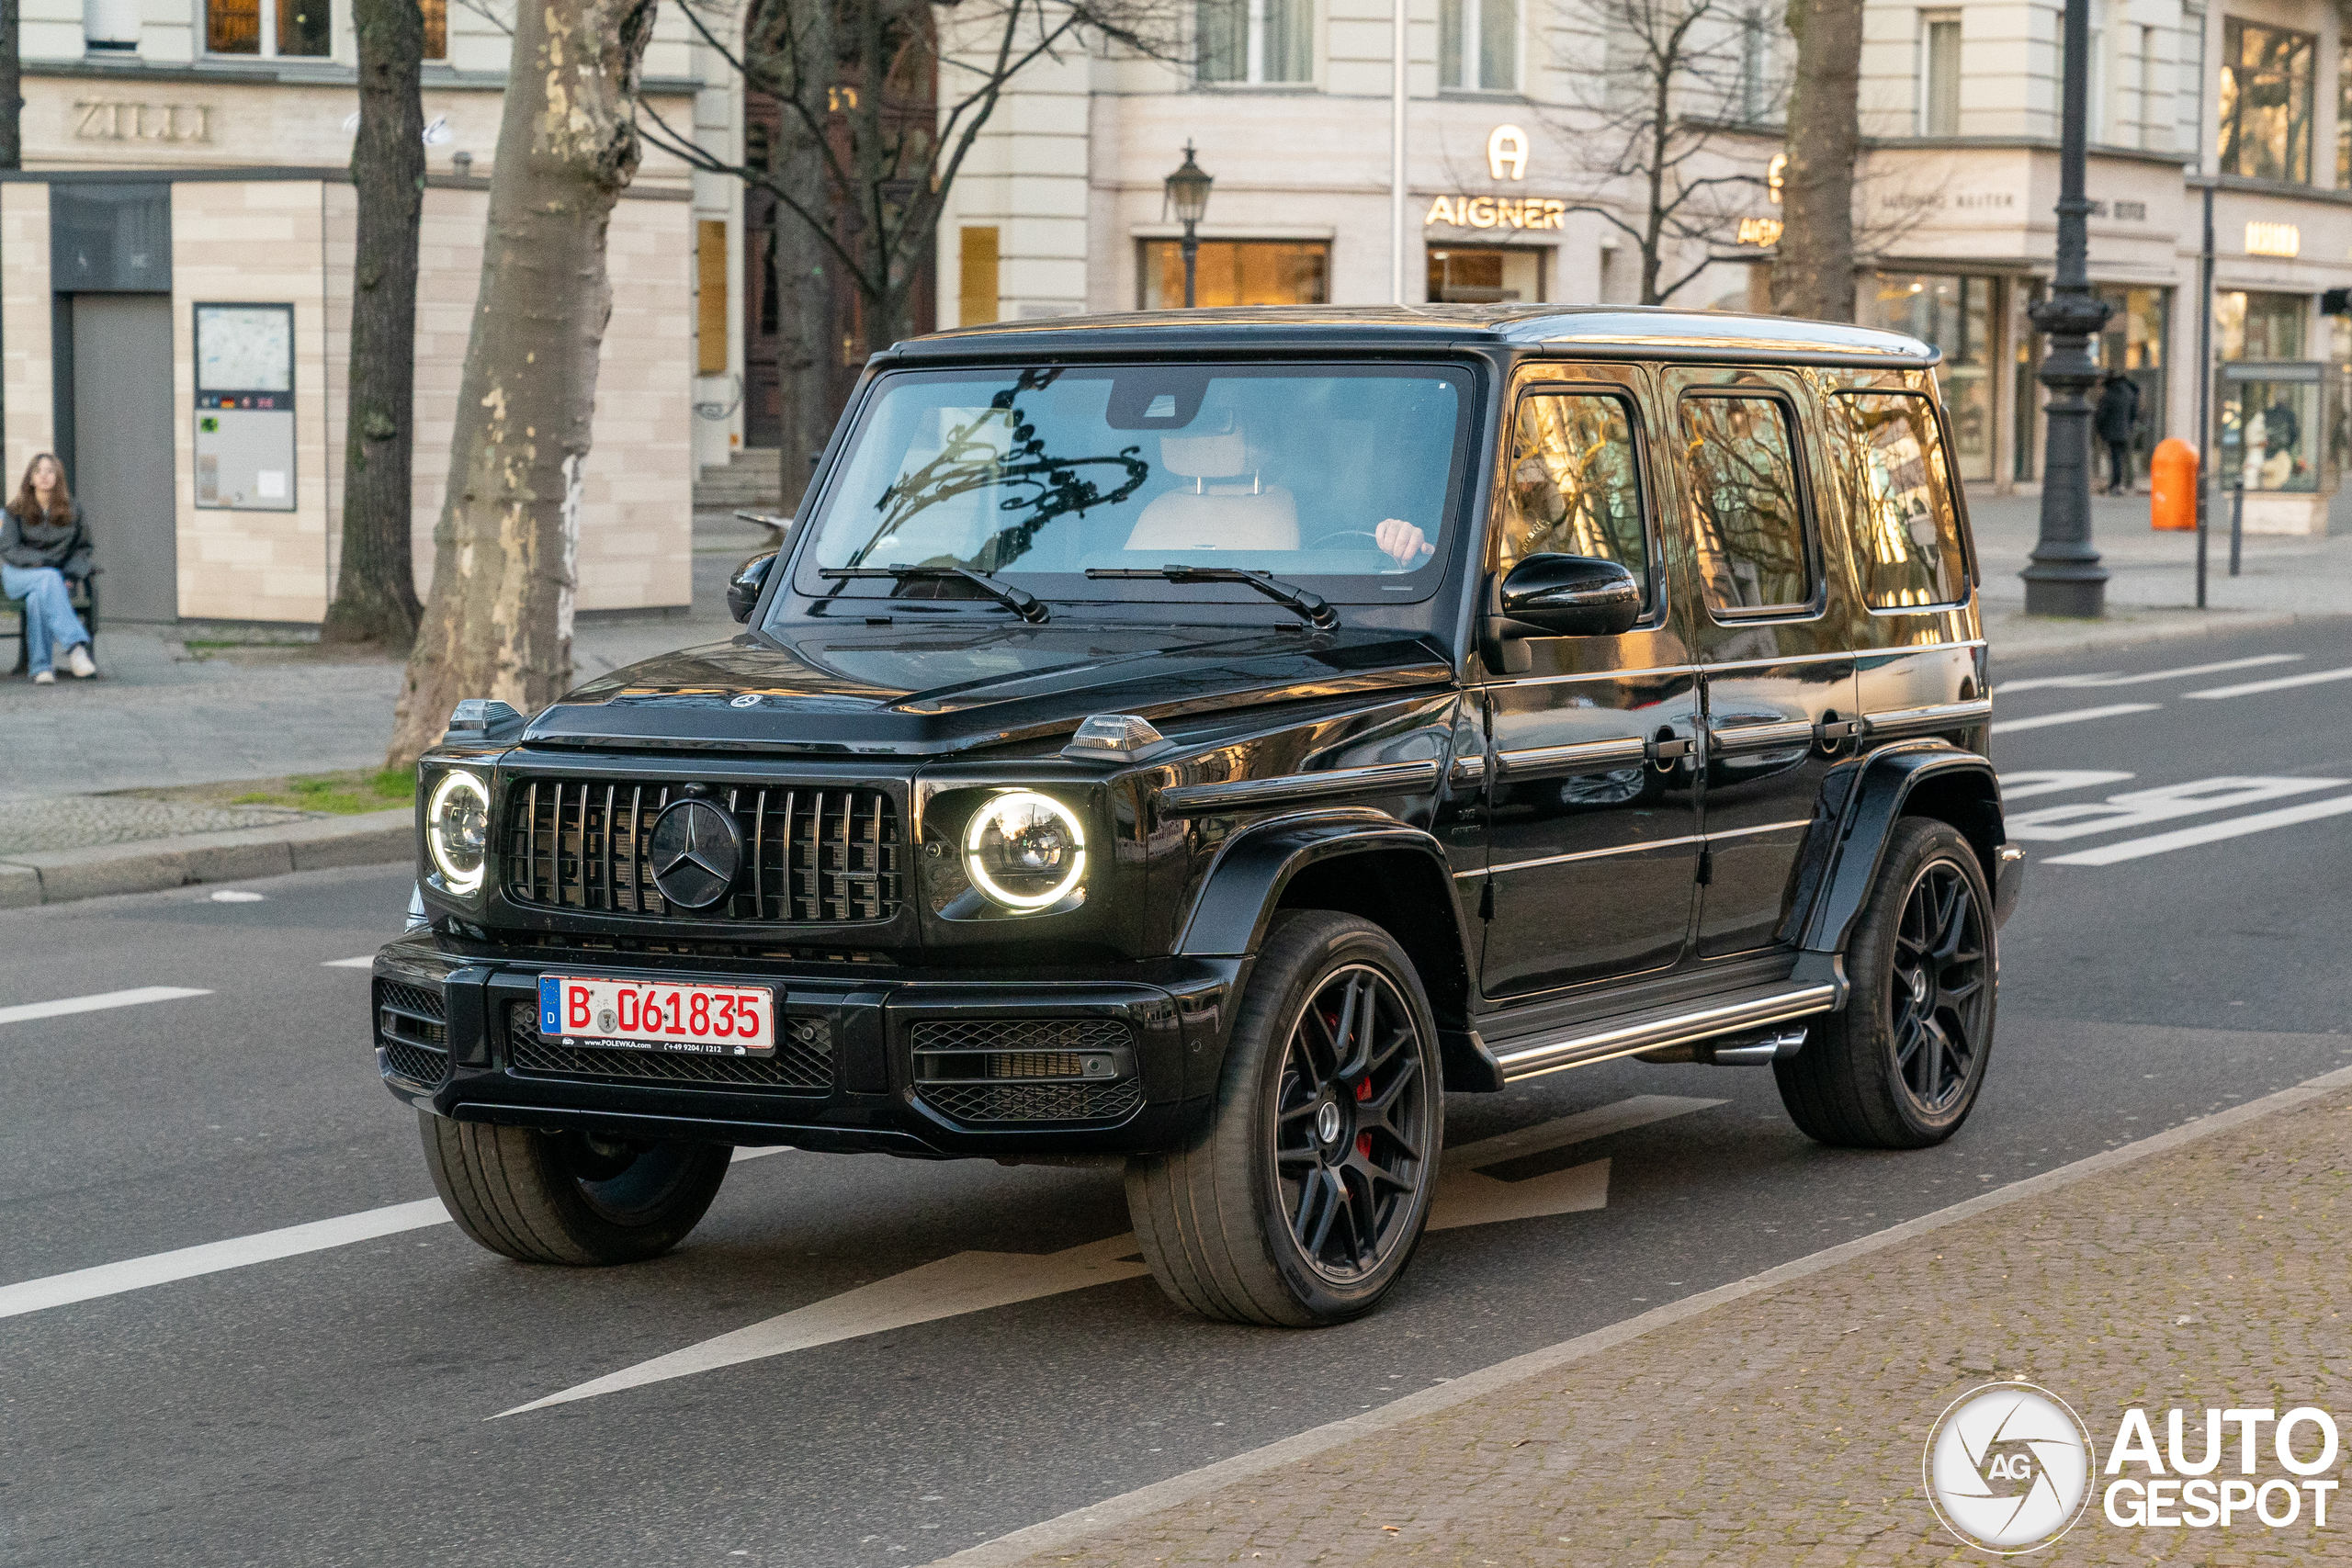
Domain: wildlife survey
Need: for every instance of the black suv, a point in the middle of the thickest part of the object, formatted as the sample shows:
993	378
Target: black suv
1203	741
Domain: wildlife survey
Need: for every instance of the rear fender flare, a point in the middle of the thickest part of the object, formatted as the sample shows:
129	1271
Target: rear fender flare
1859	810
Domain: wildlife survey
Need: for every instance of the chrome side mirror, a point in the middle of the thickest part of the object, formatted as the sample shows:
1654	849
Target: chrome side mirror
744	588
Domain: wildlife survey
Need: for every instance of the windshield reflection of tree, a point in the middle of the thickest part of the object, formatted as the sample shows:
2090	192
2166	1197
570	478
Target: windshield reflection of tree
1751	546
1000	450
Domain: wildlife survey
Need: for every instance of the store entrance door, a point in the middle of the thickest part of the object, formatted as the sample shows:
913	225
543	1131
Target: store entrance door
122	441
1467	275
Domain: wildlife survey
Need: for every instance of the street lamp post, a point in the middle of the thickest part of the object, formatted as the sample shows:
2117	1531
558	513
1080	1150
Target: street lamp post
2065	578
1188	194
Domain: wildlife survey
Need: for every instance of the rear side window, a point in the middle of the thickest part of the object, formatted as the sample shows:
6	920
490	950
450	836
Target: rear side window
1740	466
1889	461
1575	488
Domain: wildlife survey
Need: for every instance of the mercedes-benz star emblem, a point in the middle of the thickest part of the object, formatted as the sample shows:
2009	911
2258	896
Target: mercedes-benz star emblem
748	700
698	848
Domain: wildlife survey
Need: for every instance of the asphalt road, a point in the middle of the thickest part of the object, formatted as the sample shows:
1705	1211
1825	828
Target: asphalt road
342	1404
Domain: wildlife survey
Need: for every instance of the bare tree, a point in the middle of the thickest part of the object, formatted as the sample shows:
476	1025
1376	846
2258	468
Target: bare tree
1814	273
1655	124
499	621
881	102
374	596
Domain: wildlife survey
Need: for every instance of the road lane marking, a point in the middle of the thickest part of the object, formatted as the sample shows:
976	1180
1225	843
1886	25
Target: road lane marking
365	961
100	1002
2111	678
2138	807
2211	832
977	1282
2071	715
213	1258
2309	678
2029	782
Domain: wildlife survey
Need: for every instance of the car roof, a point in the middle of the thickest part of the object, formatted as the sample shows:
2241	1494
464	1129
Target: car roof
1572	331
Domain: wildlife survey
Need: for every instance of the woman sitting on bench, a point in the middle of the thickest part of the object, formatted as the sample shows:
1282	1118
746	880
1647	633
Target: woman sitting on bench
43	543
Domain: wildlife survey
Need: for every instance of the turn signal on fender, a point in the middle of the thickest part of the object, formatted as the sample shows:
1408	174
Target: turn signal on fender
2172	486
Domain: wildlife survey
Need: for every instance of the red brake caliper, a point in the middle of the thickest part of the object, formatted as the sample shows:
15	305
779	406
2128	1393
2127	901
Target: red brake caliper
1364	1140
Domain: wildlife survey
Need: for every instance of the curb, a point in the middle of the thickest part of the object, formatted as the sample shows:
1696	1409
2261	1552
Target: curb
1072	1528
56	876
2064	636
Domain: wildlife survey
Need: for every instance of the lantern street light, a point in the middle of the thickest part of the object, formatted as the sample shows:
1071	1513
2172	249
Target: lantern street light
1188	194
2065	578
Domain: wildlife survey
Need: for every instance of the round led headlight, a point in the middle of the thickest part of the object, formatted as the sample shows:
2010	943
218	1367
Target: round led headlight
1025	851
456	830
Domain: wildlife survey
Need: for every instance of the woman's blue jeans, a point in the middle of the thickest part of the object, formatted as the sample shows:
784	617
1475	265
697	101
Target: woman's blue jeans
50	625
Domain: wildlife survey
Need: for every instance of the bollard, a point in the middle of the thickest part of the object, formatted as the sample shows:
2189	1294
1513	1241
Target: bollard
2172	486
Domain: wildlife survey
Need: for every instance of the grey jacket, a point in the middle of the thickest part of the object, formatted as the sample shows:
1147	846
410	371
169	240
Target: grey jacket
39	542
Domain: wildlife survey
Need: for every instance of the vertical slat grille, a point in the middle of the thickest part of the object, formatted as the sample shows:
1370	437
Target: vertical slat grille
821	856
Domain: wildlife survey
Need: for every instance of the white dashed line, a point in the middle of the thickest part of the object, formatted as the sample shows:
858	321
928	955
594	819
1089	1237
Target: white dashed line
2312	678
363	961
2110	677
98	1003
2071	715
2184	837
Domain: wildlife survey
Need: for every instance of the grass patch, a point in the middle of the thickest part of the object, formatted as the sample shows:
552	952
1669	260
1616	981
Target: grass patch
345	794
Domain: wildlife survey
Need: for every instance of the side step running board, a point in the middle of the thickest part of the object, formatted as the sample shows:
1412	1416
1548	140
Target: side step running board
1653	1031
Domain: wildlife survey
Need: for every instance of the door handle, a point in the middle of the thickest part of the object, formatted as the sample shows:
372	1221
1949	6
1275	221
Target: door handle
1832	731
1667	748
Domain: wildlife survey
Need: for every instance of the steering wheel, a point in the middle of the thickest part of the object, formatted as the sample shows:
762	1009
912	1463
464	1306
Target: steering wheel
1342	532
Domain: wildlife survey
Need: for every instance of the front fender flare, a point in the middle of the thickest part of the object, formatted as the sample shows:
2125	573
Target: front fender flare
1860	802
1244	884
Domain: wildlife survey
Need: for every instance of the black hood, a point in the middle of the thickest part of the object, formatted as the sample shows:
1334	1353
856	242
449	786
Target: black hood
947	687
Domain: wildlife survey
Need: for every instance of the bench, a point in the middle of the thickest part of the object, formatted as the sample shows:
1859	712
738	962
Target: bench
83	591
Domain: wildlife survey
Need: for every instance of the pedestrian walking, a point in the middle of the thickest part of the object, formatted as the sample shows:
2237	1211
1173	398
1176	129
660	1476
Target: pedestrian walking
2119	413
44	544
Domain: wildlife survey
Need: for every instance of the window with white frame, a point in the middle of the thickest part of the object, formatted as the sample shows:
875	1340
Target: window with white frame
1477	45
269	29
1257	41
1940	73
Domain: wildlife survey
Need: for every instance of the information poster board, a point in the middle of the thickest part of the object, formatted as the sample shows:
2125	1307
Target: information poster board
244	407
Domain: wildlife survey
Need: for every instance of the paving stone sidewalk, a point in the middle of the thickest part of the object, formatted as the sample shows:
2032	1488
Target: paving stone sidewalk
1787	1428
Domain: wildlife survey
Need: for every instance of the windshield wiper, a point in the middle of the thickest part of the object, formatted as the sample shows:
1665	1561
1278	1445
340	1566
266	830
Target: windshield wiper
1021	601
1290	596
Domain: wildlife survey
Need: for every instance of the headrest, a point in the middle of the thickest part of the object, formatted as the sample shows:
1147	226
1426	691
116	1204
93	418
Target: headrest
1215	456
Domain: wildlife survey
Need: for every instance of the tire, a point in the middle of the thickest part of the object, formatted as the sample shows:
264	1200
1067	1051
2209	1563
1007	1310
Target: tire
568	1197
1901	1067
1300	1198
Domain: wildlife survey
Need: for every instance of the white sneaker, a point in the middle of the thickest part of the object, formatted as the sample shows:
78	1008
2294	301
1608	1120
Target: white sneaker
78	659
46	678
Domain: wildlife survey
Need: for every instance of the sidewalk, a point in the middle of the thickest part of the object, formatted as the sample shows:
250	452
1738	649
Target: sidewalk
1786	1426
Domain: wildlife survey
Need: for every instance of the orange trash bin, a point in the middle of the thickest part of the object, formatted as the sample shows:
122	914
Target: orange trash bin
2172	486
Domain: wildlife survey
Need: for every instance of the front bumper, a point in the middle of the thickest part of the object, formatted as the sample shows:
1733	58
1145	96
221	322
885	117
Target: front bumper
922	1064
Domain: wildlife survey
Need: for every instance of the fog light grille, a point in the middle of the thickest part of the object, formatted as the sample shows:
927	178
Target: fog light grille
1033	1102
410	1026
1041	1069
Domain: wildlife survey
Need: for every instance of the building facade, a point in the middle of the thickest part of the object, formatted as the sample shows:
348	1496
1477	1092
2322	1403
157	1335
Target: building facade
176	269
1516	170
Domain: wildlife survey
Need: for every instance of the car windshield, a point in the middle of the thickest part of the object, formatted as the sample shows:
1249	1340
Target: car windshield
1334	478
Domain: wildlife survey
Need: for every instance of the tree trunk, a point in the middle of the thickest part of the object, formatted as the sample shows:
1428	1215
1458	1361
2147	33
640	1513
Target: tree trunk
807	339
499	621
12	84
1814	273
375	599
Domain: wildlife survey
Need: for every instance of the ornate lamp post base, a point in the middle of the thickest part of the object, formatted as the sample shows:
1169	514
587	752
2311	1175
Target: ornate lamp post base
2065	578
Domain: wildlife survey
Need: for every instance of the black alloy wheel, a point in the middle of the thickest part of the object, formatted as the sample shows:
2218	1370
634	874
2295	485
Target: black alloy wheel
1350	1146
1300	1198
1942	990
1901	1067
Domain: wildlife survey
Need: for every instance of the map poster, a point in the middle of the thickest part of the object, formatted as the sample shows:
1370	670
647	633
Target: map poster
244	348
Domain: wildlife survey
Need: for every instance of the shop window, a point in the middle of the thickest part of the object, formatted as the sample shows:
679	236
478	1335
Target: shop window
1477	45
2260	326
710	296
1238	272
2133	342
1890	462
1464	276
1955	314
1939	74
280	28
977	291
1256	40
1574	484
2265	102
1739	468
2269	431
436	30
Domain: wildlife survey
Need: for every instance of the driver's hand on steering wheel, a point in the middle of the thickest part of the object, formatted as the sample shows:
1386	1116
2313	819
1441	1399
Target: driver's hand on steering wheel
1402	540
